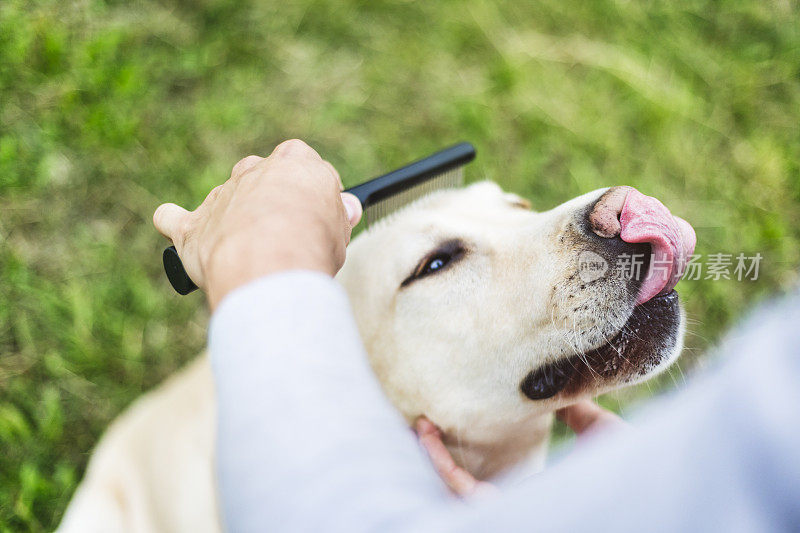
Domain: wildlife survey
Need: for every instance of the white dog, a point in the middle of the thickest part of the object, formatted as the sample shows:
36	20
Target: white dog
476	312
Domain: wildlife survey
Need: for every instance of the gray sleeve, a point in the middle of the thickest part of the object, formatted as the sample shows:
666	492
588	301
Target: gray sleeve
307	441
723	454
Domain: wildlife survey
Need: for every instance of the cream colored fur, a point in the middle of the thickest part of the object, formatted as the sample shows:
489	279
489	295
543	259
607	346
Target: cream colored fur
454	346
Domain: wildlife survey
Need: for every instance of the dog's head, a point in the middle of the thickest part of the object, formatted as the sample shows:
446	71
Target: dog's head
484	315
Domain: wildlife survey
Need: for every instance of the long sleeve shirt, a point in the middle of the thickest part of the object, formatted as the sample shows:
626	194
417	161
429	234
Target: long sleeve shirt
308	442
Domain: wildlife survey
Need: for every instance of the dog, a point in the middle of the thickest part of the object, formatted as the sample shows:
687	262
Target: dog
475	311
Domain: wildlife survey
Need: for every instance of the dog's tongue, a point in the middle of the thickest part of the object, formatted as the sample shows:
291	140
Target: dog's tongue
672	239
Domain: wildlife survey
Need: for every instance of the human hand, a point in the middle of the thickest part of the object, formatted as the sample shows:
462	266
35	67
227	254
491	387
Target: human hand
281	212
584	418
458	480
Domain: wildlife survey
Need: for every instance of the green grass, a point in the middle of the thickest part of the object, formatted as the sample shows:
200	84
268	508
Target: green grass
109	108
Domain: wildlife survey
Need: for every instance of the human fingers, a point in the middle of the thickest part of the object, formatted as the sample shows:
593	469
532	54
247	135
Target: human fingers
294	148
586	416
245	164
461	482
170	220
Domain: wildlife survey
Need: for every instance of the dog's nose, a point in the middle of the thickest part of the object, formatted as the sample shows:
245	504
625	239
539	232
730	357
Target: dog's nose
628	214
604	217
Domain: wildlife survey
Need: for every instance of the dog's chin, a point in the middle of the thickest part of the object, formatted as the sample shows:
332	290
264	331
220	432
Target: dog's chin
643	346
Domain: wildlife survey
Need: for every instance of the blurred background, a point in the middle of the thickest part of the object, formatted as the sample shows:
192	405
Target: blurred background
108	108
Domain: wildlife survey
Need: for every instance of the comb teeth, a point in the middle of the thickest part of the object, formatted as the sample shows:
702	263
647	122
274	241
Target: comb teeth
447	180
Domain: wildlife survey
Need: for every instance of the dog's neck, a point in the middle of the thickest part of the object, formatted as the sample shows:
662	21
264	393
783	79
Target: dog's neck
523	446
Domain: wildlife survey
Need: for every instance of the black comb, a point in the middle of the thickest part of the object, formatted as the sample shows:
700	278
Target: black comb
379	196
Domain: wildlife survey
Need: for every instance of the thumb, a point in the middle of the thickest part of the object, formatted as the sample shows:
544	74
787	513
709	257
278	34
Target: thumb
169	220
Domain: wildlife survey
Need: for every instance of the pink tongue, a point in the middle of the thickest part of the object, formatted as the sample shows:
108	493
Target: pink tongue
672	239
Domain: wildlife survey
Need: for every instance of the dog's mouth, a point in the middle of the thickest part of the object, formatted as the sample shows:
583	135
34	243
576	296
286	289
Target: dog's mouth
644	343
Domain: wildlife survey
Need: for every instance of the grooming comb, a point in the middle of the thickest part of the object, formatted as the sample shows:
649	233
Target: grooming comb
379	196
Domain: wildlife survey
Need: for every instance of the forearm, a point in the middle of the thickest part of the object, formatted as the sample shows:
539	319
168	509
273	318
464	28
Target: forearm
307	439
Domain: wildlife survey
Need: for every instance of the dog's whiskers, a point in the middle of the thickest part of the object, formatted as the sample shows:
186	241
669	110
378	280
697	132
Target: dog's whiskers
582	354
619	352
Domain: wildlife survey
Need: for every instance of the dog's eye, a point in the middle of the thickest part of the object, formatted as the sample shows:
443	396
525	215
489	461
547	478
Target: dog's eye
438	260
435	263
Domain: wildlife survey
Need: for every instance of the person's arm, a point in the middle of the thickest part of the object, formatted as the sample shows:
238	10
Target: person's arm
308	442
322	450
306	439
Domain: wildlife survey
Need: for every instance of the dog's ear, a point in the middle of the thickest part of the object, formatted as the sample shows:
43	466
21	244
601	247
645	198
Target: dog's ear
516	200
